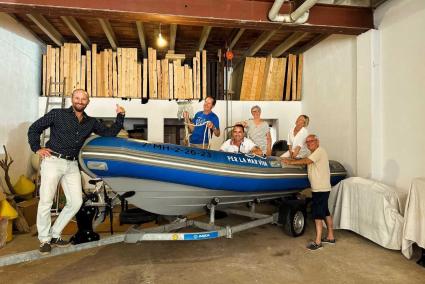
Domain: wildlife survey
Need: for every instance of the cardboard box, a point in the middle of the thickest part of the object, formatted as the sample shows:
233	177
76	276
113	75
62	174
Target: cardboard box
29	209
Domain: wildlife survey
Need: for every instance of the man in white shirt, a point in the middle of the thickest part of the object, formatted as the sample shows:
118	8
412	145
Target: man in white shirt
239	143
319	176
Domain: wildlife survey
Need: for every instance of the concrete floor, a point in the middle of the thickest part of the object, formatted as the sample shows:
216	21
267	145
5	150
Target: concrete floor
260	255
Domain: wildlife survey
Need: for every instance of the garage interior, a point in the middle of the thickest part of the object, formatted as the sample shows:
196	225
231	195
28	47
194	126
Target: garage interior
353	66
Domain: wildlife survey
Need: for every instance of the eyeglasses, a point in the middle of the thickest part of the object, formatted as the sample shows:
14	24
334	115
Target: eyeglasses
309	141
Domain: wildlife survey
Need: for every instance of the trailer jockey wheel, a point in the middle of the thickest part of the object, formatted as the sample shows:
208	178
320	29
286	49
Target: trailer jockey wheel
292	215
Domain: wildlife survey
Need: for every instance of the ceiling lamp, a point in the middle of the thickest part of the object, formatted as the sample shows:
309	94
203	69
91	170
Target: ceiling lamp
160	41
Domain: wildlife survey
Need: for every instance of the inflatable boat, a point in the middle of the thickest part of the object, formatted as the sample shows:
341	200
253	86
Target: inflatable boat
170	179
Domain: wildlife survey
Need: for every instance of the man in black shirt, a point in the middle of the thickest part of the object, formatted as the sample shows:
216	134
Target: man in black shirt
69	128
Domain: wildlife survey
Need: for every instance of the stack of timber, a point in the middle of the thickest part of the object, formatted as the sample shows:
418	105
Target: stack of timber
119	73
271	79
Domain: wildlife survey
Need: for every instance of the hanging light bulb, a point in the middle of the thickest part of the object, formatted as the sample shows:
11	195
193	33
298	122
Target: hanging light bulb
161	42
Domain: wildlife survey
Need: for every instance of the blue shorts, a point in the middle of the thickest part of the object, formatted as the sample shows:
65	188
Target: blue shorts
319	206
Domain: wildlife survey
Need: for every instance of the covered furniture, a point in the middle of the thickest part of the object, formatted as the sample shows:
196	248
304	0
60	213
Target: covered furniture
369	208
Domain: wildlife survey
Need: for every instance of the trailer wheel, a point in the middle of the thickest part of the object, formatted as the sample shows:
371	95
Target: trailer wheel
294	221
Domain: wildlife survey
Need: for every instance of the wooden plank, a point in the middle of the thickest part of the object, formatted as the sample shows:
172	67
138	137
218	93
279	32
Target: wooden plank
145	78
300	76
248	75
176	79
52	56
99	74
65	70
261	69
170	81
94	70
119	71
134	73
72	66
253	89
294	77
78	64
198	74
165	78
61	68
110	74
139	80
289	79
155	75
83	72
114	75
173	56
282	78
89	72
124	73
159	76
43	80
105	61
150	68
194	65
204	74
266	78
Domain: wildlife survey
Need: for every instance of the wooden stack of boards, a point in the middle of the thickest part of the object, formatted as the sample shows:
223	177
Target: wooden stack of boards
119	73
272	79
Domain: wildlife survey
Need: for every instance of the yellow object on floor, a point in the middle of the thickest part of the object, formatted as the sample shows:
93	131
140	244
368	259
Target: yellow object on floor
24	186
7	211
9	231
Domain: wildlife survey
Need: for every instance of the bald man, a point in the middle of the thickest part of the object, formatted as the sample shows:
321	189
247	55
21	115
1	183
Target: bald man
69	128
320	180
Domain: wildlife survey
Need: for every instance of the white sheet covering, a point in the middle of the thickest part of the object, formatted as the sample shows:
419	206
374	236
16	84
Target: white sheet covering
414	226
368	208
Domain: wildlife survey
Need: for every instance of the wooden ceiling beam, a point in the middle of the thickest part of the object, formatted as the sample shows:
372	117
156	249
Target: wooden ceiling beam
109	32
287	44
76	29
142	38
232	13
236	38
173	33
47	28
259	43
311	43
204	36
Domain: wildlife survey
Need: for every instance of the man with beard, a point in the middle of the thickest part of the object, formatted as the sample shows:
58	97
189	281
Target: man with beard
69	128
239	143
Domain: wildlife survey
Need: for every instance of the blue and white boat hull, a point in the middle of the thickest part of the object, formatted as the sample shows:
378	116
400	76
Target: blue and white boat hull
170	179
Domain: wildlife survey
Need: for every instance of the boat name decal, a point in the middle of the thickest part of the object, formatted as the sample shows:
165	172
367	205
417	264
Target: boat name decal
244	160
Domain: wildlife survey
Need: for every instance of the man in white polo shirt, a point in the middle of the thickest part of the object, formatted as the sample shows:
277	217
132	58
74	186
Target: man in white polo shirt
319	176
239	143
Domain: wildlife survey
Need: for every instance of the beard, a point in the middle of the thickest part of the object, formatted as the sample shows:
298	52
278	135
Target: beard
79	107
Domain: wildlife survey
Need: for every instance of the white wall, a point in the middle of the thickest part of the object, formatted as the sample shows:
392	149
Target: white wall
329	97
402	47
155	111
366	95
20	57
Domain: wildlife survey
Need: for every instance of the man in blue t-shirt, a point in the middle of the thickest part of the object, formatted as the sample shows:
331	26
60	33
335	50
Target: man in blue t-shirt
201	120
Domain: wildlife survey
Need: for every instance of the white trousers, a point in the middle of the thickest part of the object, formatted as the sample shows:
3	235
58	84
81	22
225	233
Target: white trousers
52	171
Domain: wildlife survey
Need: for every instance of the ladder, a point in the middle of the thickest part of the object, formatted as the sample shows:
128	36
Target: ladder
52	93
54	90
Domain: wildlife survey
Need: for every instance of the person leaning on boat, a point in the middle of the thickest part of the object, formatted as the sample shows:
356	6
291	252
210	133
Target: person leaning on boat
296	139
69	128
203	119
239	143
319	176
258	131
